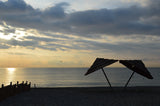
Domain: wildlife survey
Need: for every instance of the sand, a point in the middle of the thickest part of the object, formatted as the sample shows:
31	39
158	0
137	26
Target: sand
92	96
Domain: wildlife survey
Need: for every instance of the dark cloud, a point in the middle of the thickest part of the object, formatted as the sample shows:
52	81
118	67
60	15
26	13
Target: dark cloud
6	29
49	43
12	42
126	21
55	12
121	48
119	21
17	53
12	6
27	44
32	42
34	38
3	46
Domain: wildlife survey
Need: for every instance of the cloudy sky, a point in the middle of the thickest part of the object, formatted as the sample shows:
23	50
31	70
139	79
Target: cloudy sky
72	33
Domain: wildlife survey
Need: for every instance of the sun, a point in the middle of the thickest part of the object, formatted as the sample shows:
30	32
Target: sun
6	37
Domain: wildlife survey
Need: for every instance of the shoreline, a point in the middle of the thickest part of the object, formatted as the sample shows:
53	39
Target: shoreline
87	96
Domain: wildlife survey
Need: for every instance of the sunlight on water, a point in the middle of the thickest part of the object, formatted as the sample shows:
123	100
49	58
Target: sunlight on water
74	77
11	70
10	74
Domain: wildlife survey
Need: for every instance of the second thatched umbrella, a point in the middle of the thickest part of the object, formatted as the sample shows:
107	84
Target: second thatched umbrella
136	66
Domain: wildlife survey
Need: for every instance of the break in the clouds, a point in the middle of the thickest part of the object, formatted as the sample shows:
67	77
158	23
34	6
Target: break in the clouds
142	20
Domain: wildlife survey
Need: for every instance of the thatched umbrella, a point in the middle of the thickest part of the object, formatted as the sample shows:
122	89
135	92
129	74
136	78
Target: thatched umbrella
100	63
136	66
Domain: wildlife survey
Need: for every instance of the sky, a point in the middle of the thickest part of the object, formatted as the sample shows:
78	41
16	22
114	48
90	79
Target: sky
73	33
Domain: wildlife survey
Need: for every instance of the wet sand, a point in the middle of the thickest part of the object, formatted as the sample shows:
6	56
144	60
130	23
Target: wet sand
88	96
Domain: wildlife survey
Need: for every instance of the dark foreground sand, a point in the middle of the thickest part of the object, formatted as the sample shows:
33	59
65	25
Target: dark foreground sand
133	96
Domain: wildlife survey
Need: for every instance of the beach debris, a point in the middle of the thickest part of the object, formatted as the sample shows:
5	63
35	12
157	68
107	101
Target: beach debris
13	89
35	86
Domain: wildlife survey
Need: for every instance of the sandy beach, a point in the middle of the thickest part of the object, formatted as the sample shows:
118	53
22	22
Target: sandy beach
91	96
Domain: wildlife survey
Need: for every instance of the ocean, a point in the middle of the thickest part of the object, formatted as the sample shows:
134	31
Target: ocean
74	77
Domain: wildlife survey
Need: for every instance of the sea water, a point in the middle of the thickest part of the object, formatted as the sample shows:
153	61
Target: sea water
74	77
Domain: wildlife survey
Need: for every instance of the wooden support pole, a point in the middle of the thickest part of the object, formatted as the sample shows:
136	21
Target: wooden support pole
17	83
106	78
129	79
10	83
26	82
2	85
29	84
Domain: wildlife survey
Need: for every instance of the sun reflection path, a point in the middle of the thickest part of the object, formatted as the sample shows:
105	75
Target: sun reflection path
11	70
10	75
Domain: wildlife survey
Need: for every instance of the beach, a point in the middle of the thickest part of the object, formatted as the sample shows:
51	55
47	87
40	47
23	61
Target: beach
86	96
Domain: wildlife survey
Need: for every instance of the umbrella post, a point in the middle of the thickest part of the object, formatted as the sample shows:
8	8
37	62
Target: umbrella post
106	78
129	79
